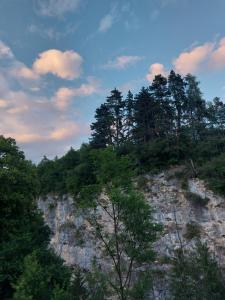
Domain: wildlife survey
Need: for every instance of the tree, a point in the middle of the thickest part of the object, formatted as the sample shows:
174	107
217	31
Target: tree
21	227
23	234
102	135
128	244
145	117
195	276
195	108
116	105
216	115
43	275
129	116
178	98
164	114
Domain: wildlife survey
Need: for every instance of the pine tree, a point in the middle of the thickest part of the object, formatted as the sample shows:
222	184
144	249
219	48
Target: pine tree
129	116
144	114
116	105
102	127
195	107
159	90
216	115
177	93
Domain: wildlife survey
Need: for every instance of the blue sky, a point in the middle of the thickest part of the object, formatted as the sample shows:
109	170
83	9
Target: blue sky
60	58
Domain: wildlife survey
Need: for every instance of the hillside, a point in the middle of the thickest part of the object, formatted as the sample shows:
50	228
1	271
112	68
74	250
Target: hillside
136	213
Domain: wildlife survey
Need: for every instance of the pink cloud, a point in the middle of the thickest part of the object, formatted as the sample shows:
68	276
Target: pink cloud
69	129
64	95
156	69
25	72
217	60
191	61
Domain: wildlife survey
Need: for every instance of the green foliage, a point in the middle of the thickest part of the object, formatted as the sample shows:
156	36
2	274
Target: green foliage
142	183
141	288
214	173
196	199
68	174
195	276
42	273
193	230
160	154
130	242
28	269
21	226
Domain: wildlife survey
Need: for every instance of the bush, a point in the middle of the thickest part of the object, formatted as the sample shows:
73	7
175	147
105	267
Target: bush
213	173
196	199
193	230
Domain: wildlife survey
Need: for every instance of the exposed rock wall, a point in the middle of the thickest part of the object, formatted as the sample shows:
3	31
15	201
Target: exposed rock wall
73	237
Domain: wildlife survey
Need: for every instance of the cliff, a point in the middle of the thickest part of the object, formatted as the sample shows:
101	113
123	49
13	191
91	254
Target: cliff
185	213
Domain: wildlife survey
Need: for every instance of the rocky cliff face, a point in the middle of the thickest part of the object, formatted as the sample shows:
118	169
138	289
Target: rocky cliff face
184	213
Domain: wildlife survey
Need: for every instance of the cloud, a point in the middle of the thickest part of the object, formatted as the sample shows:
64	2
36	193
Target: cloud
69	129
109	19
122	62
218	56
64	95
106	23
36	124
56	8
207	57
5	51
50	32
24	72
193	60
34	119
156	69
3	103
65	65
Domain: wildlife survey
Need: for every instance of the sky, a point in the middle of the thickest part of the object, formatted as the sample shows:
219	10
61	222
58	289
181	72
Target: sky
59	59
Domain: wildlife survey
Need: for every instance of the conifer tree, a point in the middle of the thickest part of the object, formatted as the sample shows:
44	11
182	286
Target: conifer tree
216	115
159	90
177	93
115	104
195	108
144	114
129	116
102	127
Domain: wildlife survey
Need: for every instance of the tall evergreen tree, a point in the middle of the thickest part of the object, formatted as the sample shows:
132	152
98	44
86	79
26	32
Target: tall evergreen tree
116	105
216	115
195	108
159	90
144	114
102	135
177	93
129	116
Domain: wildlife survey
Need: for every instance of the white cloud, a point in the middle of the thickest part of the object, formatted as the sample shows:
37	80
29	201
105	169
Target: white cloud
34	119
122	62
65	95
66	64
50	32
5	51
106	23
156	69
55	8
